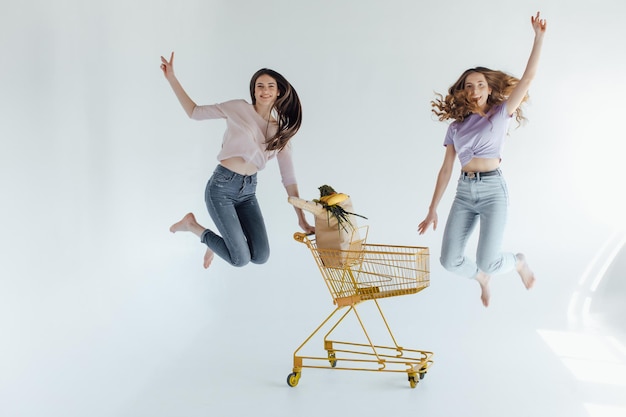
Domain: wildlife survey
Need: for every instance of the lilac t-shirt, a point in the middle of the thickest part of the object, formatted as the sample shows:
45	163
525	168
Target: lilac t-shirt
478	136
245	135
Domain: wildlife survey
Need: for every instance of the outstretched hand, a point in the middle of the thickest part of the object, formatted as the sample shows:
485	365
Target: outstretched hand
539	25
431	218
168	66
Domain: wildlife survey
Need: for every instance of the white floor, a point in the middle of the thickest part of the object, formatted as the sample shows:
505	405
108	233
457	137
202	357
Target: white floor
220	343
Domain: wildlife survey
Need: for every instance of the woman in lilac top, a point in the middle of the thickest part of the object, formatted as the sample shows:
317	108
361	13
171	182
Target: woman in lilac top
481	104
255	133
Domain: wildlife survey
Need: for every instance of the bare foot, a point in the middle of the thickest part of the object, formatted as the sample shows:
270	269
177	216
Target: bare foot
483	280
184	224
524	271
188	224
208	258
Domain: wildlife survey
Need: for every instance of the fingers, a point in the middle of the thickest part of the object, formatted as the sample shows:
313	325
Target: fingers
538	22
166	62
304	225
166	66
423	226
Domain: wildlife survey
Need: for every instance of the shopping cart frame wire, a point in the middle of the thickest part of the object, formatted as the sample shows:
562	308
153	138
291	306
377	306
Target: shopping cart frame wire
370	272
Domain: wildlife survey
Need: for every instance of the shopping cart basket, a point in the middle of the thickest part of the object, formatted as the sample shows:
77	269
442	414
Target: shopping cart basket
366	272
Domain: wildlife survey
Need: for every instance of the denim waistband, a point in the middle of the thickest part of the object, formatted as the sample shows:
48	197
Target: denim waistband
479	175
232	174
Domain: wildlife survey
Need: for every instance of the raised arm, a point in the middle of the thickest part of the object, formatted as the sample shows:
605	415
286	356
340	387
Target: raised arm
518	94
168	70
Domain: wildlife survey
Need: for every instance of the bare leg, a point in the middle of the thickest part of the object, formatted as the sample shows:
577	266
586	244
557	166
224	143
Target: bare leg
483	280
188	224
524	271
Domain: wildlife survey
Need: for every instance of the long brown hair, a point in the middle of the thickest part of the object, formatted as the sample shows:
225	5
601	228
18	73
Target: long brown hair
456	105
287	106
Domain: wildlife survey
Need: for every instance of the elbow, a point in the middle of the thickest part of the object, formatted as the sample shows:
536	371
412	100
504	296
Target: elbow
190	110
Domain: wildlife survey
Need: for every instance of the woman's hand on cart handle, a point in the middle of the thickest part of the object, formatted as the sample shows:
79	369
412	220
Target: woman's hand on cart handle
304	225
299	204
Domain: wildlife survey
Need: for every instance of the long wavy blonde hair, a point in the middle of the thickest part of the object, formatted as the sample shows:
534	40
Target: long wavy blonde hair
456	105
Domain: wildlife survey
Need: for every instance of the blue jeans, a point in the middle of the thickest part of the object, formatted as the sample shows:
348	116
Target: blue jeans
485	201
233	206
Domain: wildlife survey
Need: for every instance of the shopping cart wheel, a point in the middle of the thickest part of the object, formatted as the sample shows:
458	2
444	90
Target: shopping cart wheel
331	358
413	380
423	372
293	379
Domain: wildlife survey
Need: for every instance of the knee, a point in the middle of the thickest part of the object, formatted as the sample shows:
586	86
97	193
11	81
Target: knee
240	260
260	258
259	261
449	263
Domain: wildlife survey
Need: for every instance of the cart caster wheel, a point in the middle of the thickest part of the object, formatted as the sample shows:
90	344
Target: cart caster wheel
413	380
423	373
331	359
293	379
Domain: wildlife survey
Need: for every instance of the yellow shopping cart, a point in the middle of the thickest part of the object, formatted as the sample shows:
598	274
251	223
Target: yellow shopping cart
361	273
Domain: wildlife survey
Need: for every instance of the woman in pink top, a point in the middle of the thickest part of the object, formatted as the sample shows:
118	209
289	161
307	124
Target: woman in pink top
481	104
255	133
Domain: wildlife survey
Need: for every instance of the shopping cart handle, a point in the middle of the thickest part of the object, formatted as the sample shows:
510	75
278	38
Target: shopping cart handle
301	237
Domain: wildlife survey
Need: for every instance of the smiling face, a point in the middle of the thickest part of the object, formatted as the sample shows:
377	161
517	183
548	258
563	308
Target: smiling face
265	90
477	89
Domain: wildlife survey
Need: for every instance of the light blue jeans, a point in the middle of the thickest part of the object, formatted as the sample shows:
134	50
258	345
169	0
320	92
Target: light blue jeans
485	201
233	206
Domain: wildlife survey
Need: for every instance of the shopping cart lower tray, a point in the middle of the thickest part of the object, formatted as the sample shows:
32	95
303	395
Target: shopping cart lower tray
366	272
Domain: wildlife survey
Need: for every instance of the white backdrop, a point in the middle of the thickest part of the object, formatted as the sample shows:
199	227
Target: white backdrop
103	312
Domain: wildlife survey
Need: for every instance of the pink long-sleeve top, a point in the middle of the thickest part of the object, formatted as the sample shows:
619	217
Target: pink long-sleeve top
245	136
